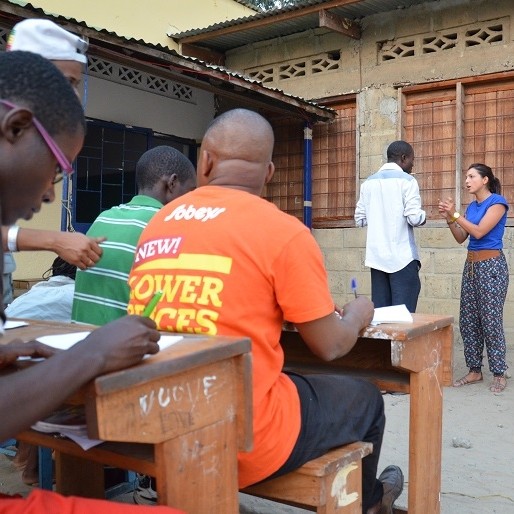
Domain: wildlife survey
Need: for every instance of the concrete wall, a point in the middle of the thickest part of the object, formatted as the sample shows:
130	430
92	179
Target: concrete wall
151	20
361	71
109	101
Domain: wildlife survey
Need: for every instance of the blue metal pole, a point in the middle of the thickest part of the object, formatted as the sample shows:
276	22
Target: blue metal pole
307	175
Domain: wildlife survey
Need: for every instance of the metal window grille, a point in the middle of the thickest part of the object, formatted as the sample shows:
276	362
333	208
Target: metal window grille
333	171
430	128
452	128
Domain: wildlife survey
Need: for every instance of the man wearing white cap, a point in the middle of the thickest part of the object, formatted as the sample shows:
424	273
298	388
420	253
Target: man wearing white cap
67	52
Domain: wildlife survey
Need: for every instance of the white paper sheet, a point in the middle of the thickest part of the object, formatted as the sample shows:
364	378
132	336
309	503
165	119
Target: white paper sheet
81	439
393	314
66	341
63	341
14	324
166	342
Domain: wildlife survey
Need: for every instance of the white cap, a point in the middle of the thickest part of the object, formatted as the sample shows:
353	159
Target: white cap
47	39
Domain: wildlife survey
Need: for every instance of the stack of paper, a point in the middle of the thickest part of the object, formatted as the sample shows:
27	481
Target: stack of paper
69	421
69	417
393	314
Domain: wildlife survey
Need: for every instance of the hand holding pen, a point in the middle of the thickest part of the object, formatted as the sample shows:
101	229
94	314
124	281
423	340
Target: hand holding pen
354	286
338	310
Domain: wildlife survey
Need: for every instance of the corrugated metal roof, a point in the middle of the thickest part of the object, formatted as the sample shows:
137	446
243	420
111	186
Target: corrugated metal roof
193	71
283	22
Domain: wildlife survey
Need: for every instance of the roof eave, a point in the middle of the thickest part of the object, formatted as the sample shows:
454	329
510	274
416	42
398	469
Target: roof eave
186	70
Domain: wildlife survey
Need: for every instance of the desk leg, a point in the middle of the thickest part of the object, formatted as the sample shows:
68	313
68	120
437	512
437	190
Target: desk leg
197	472
425	439
447	354
78	477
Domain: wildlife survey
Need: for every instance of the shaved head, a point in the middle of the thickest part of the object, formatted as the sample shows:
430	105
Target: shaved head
236	151
242	134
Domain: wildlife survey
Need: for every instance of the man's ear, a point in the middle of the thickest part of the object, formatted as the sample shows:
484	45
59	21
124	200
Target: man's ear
205	164
271	172
15	122
171	182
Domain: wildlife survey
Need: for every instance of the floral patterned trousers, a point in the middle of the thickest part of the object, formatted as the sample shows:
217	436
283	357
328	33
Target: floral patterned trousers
483	292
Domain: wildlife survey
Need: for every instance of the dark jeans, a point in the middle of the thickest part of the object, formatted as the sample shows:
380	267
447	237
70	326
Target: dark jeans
396	288
338	410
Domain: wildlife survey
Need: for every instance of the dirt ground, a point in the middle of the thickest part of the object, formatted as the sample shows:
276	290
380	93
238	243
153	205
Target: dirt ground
477	460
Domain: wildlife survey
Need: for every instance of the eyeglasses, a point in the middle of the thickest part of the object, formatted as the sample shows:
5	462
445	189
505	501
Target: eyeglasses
63	166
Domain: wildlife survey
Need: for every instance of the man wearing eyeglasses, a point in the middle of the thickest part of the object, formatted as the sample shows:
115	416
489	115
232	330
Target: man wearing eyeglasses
67	52
42	130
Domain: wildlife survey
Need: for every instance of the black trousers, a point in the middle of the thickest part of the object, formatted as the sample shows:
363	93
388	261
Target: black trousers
338	410
403	286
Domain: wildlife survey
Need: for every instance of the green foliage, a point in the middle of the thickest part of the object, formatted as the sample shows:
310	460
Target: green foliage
268	5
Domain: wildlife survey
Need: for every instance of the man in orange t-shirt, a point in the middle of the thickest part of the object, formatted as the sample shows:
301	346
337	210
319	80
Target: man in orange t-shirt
231	263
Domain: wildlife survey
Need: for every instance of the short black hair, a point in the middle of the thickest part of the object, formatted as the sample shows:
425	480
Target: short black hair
161	161
61	268
398	148
31	81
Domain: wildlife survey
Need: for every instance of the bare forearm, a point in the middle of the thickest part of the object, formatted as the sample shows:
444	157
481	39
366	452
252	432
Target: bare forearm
31	239
33	393
73	247
332	340
459	234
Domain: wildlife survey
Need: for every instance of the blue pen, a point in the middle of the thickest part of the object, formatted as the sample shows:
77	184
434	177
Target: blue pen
354	287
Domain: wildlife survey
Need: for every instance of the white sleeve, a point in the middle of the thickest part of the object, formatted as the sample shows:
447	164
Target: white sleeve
412	210
360	212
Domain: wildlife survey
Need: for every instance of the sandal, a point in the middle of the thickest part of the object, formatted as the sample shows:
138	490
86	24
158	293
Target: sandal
466	380
498	384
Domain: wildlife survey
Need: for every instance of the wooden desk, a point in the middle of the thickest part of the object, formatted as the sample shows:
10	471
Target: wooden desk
180	416
416	358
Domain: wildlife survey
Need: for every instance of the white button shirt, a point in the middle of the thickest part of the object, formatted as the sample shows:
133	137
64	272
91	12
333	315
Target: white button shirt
390	206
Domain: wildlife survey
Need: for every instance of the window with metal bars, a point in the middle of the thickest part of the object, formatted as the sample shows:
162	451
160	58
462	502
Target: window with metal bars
106	167
333	167
456	125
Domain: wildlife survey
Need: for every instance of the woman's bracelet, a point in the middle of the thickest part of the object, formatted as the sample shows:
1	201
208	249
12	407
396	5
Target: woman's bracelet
12	238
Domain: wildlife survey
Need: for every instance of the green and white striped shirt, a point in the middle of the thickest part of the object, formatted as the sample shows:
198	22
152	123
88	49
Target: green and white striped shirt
102	292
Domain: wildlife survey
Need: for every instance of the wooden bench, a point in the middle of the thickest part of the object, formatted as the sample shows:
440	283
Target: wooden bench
329	484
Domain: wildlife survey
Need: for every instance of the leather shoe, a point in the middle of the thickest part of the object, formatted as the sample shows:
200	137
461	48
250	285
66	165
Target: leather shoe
392	481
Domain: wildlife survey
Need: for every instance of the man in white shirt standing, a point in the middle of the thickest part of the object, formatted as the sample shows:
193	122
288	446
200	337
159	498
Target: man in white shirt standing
390	206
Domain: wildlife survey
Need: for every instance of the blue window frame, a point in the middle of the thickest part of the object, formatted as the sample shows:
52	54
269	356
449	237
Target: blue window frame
106	168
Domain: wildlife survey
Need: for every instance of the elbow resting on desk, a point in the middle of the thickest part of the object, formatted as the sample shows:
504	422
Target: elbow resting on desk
329	338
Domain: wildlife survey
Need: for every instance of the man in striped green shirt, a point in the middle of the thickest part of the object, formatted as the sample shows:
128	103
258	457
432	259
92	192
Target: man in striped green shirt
101	292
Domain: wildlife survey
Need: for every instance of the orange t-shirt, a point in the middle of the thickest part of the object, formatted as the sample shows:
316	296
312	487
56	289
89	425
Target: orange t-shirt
231	263
47	502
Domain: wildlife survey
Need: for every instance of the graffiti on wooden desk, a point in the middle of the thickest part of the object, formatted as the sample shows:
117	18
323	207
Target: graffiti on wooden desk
189	393
431	362
205	455
339	486
435	362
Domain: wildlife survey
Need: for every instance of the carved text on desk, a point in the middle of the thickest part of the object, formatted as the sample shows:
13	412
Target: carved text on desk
177	394
168	406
